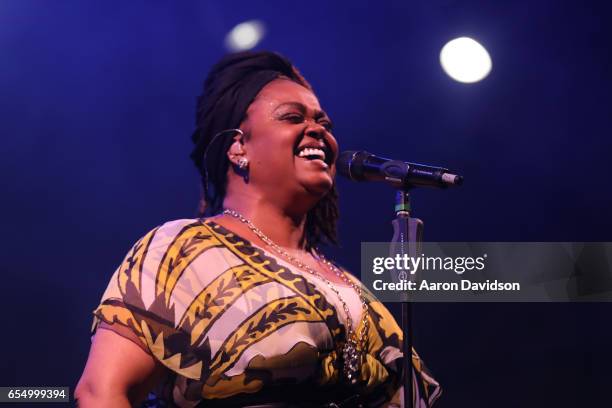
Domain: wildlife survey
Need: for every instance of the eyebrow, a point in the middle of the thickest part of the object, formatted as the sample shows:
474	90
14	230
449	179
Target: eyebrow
318	114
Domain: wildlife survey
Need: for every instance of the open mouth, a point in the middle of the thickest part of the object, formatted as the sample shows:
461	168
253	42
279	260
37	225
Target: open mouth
314	153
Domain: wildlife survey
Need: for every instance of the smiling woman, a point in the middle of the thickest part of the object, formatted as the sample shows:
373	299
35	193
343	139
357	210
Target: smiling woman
240	308
283	121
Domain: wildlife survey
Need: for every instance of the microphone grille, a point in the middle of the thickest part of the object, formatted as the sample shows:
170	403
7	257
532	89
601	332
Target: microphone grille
350	164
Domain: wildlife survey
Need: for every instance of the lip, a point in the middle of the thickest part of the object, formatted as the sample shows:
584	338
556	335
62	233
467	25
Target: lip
317	162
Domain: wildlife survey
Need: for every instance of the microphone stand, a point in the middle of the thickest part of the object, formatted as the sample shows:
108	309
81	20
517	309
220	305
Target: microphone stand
407	239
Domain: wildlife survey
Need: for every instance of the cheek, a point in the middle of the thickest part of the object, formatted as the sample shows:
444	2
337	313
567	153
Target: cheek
273	149
273	138
334	145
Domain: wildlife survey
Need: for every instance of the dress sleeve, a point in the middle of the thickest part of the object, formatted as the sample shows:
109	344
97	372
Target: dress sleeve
118	306
140	304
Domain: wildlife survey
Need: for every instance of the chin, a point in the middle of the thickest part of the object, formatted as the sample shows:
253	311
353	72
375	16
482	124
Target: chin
318	188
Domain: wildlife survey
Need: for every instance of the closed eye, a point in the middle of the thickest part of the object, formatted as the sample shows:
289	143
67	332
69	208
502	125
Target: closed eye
293	118
299	118
326	124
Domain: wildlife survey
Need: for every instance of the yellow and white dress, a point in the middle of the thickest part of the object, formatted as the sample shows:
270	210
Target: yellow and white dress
237	326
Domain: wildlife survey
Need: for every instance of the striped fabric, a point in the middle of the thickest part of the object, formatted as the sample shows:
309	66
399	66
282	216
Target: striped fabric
229	320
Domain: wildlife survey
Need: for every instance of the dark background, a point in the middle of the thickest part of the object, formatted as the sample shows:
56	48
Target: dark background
96	110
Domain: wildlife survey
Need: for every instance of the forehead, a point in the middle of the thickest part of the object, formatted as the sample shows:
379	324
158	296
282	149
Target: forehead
282	91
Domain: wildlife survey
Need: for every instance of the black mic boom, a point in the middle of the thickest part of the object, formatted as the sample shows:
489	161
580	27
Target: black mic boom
364	166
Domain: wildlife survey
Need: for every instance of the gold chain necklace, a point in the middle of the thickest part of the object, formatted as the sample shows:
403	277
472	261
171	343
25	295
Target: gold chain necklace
351	353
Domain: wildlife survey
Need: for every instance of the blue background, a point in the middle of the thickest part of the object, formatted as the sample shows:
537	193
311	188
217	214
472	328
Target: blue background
97	107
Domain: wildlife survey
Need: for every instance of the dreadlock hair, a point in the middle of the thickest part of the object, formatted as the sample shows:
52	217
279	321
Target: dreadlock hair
230	87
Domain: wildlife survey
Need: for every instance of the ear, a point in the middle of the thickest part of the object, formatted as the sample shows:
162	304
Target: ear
236	149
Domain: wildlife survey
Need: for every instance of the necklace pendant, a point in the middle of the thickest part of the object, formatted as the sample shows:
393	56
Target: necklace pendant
352	360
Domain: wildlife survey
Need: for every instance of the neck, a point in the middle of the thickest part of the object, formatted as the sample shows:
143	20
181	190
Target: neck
281	226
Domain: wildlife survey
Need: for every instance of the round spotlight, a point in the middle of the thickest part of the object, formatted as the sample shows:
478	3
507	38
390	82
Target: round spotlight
245	36
465	60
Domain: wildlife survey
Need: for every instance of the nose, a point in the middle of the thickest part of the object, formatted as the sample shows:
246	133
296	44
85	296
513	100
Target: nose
322	135
316	131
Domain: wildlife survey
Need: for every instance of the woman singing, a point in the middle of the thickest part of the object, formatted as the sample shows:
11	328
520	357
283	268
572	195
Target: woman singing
239	308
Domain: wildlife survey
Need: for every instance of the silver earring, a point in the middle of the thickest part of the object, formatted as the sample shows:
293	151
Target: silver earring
243	162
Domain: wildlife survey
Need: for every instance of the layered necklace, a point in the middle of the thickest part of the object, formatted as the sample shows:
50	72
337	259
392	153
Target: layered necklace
352	349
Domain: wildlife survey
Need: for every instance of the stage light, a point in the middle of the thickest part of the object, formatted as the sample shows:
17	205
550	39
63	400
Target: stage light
245	36
465	60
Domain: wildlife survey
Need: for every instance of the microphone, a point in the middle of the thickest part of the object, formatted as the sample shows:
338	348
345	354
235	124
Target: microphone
364	166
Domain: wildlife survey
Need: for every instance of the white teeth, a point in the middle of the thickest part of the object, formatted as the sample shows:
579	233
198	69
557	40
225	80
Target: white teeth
312	152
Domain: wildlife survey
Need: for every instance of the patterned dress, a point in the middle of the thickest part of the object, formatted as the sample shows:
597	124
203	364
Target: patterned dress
237	326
